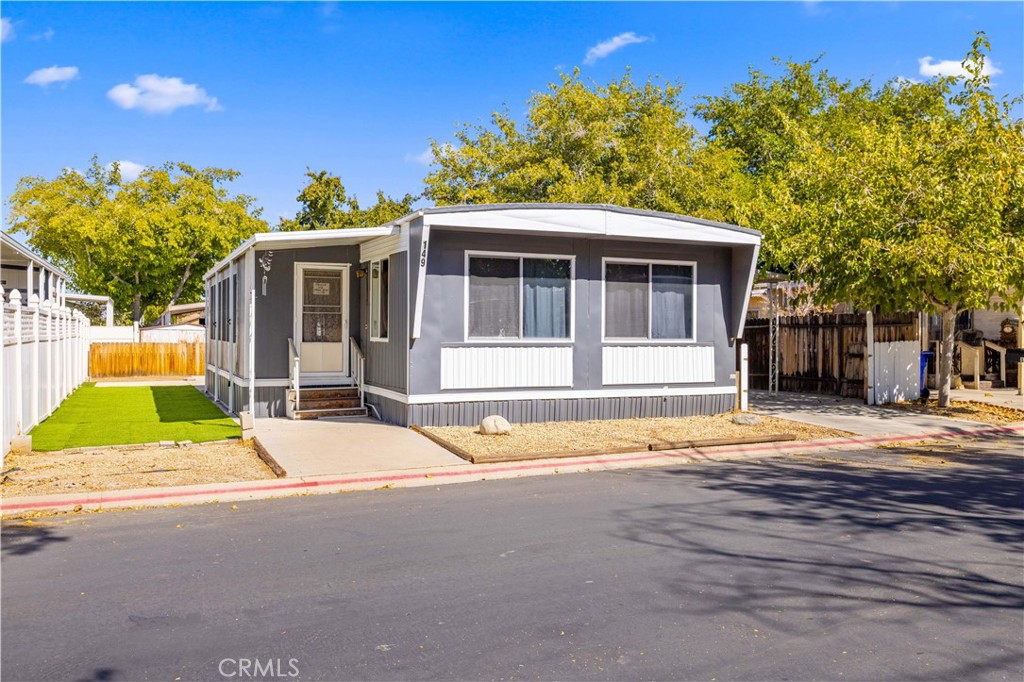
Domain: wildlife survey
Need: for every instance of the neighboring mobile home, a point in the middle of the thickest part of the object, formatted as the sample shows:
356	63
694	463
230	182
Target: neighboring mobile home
537	312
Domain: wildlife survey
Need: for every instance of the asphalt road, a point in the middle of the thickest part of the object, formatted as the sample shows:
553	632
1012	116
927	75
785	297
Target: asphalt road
894	564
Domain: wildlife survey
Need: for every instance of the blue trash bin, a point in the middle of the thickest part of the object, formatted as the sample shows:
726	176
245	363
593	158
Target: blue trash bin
926	356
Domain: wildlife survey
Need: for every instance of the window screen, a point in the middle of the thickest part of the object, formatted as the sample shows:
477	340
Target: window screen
546	298
648	301
672	301
494	297
321	306
625	291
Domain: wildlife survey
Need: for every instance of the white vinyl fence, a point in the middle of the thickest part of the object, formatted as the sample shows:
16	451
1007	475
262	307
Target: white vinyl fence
897	371
45	358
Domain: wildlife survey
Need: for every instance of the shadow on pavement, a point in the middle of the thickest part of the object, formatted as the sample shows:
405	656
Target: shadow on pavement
20	539
101	675
839	538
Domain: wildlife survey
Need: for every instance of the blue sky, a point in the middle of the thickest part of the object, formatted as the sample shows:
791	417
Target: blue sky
271	88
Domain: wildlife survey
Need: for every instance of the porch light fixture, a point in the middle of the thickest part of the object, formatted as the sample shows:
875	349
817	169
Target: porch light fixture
360	273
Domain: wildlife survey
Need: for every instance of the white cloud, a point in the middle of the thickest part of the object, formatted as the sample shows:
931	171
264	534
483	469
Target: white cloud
950	67
424	158
159	94
813	8
6	30
52	74
46	35
129	169
606	47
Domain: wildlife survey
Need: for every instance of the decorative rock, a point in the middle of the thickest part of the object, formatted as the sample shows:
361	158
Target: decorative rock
746	419
495	425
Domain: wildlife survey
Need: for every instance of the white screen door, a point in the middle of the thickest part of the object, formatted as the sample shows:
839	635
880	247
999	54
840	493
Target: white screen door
322	324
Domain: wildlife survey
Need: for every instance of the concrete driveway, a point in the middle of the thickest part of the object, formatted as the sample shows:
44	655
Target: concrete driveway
850	415
315	447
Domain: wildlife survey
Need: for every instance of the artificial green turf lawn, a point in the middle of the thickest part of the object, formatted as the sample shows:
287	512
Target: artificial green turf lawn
132	414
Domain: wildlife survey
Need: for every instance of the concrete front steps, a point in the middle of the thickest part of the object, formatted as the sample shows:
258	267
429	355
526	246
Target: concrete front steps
326	401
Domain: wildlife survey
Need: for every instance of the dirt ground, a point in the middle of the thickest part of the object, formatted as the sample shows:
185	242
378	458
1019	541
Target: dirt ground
126	467
966	409
587	435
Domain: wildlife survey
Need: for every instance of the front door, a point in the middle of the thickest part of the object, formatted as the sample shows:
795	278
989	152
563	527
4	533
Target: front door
321	324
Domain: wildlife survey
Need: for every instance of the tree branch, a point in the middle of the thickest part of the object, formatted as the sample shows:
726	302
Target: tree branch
182	282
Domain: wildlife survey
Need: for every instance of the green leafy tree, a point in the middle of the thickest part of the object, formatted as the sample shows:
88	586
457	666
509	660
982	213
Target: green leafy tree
145	243
582	143
907	197
325	206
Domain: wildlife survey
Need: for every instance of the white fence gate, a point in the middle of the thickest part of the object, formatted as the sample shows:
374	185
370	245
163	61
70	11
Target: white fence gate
896	368
45	358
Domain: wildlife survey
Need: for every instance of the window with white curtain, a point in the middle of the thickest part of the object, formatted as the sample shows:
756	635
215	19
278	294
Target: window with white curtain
649	300
519	297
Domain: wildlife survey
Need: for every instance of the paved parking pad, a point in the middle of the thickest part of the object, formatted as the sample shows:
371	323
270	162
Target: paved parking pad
323	447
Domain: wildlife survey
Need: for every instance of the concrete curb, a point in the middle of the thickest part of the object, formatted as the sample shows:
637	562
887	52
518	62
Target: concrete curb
410	478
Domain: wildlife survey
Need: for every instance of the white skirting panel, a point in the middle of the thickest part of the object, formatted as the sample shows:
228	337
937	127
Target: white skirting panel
657	365
506	367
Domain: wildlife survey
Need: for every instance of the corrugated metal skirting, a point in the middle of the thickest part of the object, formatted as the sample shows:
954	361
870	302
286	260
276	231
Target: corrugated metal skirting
579	409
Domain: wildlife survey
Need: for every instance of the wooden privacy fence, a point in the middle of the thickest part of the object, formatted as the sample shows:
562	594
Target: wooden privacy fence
147	359
823	353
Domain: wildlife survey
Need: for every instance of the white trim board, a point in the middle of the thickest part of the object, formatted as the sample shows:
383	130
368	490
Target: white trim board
421	281
566	394
382	247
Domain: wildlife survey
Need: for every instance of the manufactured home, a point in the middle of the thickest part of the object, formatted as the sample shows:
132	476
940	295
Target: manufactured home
536	312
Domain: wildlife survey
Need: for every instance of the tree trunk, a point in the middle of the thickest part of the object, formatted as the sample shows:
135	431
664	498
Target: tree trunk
945	358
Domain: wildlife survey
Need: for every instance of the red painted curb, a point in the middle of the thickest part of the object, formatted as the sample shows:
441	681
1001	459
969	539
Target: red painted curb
101	499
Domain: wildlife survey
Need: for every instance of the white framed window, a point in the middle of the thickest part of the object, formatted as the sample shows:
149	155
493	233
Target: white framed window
649	300
380	288
519	297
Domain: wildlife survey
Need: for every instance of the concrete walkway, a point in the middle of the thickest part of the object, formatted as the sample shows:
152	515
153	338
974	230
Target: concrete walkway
1004	397
851	415
318	447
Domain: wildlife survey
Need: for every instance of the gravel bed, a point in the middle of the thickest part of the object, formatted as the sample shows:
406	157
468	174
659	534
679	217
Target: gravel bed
618	433
968	410
126	467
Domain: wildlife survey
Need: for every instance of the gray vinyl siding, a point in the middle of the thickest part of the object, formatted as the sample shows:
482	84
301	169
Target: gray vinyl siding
444	298
275	311
241	397
223	385
572	409
270	401
390	411
387	361
209	381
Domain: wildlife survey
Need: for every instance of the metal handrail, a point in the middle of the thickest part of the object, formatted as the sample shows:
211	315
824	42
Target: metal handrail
294	365
358	360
